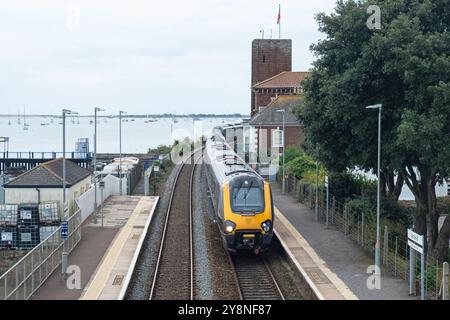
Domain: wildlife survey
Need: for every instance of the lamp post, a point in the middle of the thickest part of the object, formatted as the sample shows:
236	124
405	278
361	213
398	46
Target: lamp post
378	244
120	150
283	185
64	113
95	157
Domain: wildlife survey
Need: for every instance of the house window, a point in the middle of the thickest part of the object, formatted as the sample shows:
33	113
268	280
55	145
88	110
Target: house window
264	58
277	138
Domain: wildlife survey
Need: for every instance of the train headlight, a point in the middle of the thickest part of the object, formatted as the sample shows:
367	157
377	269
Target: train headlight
266	225
229	226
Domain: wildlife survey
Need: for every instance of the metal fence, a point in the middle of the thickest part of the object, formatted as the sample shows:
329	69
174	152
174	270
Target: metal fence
361	229
30	272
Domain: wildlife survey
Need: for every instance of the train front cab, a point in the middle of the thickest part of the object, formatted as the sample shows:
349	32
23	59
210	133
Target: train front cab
247	214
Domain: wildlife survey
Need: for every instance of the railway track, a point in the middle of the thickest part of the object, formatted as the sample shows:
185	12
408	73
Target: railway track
255	279
173	278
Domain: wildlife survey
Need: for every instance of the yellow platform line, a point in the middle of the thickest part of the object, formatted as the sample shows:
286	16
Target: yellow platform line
102	274
340	285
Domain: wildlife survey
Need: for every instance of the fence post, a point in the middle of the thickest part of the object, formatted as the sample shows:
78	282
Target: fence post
395	258
362	230
294	182
385	245
333	212
436	284
345	219
445	275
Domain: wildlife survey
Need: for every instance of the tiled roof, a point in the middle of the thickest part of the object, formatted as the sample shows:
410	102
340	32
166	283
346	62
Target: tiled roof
270	116
285	79
50	174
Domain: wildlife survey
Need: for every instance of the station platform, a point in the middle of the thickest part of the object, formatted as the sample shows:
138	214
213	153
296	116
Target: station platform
335	267
323	283
106	254
111	278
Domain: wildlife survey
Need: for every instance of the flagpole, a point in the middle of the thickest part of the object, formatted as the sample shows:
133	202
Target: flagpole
279	30
279	21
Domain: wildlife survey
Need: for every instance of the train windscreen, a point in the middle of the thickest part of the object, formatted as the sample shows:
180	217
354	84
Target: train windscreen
247	199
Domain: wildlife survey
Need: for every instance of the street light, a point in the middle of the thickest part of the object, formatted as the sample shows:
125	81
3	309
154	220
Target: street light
95	156
377	244
120	150
64	113
283	185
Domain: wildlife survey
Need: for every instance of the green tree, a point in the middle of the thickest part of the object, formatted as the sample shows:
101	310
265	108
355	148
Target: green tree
299	166
405	66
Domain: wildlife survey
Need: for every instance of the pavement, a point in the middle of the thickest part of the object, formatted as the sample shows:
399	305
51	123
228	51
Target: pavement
90	251
87	255
348	261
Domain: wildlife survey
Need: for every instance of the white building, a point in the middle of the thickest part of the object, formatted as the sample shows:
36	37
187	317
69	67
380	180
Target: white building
45	183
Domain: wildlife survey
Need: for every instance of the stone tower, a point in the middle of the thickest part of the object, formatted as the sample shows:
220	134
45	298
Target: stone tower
269	58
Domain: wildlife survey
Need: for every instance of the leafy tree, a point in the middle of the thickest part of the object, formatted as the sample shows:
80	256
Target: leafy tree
300	165
291	153
405	66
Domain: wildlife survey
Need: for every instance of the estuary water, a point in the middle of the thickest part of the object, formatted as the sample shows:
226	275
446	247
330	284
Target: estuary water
42	135
137	136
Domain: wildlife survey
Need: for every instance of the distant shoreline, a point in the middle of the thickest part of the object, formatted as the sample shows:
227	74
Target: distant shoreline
163	115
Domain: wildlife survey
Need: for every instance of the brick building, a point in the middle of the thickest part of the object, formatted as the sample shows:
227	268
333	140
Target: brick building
269	58
286	83
268	125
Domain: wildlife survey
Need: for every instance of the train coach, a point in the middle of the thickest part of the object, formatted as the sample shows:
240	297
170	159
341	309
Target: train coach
241	198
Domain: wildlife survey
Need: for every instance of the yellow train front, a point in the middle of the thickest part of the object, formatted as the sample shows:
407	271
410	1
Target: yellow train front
242	200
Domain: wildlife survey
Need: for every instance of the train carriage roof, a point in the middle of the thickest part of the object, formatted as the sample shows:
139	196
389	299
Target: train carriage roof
224	161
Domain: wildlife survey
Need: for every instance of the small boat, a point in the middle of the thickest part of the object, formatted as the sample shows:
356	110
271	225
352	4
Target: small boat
91	121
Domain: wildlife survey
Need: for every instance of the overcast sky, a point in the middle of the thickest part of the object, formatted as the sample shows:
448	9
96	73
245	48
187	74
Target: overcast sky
183	56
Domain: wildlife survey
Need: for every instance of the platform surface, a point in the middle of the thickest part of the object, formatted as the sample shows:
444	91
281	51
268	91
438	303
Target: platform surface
112	275
323	282
124	221
342	258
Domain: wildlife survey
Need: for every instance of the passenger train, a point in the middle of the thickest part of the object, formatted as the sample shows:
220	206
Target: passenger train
241	198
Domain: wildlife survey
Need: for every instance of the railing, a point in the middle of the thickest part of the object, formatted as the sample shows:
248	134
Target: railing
30	272
361	229
45	155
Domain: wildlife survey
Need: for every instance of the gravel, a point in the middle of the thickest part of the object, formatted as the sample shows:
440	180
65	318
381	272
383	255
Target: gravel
220	274
139	288
203	289
214	276
285	273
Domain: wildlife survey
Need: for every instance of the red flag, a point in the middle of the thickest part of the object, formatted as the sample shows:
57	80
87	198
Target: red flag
279	14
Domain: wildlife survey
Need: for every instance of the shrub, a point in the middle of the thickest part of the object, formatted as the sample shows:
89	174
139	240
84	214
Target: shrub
344	186
358	206
291	153
309	177
300	165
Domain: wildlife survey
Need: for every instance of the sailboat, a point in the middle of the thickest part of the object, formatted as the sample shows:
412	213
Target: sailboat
18	118
149	120
25	124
